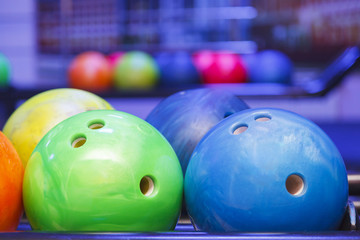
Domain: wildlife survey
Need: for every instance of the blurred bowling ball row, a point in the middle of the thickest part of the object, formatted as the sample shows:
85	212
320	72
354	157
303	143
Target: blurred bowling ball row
138	70
84	166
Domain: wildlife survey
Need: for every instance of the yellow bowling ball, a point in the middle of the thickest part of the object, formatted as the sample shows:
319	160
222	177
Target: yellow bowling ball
35	117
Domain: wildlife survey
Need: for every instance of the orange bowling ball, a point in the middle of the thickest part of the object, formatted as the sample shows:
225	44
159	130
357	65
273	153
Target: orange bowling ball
90	71
11	179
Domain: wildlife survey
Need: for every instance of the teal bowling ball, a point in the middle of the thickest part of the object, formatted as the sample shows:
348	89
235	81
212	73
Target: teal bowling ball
185	117
4	71
266	170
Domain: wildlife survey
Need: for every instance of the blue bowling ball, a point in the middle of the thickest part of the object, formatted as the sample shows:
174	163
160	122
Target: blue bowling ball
185	117
266	170
269	66
176	69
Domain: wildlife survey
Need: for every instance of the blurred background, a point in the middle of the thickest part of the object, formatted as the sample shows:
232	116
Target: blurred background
171	45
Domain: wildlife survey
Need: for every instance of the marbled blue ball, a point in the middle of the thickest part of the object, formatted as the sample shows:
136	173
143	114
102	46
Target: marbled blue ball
185	117
266	170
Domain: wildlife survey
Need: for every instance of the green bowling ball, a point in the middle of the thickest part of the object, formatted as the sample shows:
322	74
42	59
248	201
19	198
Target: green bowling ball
4	71
103	170
136	70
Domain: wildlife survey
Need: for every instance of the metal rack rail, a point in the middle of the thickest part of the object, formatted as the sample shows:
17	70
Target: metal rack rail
349	230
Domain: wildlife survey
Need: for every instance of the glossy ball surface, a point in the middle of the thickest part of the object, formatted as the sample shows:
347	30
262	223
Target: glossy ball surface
185	117
11	179
136	70
36	116
266	170
103	170
90	71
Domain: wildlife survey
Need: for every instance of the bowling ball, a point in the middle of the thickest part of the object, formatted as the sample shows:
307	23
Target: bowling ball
4	71
220	67
177	69
11	179
184	117
203	59
266	170
136	70
269	66
36	116
103	170
90	71
114	57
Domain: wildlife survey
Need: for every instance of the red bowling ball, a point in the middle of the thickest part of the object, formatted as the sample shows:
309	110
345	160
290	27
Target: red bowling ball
90	71
220	67
203	59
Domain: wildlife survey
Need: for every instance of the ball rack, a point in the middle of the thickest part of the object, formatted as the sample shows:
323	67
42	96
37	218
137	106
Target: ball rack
350	229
